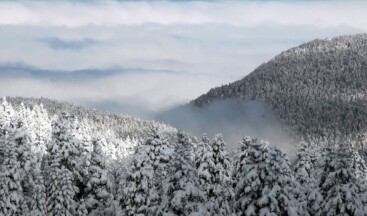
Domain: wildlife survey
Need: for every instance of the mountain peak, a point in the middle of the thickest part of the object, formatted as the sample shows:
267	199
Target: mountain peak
326	45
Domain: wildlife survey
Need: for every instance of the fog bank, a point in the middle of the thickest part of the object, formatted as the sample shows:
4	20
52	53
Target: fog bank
232	118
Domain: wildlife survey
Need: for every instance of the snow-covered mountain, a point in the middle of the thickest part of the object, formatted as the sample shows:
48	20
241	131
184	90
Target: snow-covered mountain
318	89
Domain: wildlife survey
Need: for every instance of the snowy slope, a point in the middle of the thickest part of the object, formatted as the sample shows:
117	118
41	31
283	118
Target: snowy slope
121	125
318	89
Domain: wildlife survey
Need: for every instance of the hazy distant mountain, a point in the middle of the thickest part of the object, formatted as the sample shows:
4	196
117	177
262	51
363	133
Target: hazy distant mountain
318	88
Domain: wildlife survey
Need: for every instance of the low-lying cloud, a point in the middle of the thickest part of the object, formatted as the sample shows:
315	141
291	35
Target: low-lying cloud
233	118
152	90
20	70
68	44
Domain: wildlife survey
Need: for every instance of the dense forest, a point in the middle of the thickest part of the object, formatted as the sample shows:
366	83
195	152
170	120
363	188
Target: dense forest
317	89
61	163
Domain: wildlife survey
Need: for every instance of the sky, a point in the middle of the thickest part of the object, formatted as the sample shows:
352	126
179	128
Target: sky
142	56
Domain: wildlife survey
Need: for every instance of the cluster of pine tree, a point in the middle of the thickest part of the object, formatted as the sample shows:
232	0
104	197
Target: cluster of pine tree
200	178
57	166
95	121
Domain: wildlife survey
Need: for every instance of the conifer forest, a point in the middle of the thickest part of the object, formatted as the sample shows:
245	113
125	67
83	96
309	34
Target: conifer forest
183	108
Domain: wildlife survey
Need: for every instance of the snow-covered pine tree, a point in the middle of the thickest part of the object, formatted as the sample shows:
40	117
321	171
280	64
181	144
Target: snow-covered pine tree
98	195
281	190
124	154
119	171
60	191
109	144
38	199
313	196
239	160
6	113
14	136
81	131
139	179
303	167
308	196
323	165
344	193
11	194
28	120
159	154
24	157
320	161
359	165
41	129
182	192
195	142
251	178
68	146
202	147
215	177
62	169
23	113
264	187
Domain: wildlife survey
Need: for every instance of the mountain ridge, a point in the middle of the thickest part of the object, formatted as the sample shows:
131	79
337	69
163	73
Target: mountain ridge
123	125
318	89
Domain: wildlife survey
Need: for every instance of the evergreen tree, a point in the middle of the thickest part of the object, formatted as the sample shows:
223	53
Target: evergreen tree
344	193
60	191
280	192
40	127
308	197
359	165
38	201
182	192
201	149
303	167
159	154
313	197
323	167
251	179
68	146
239	160
98	196
320	163
62	169
135	197
11	194
215	177
6	113
265	187
81	131
24	158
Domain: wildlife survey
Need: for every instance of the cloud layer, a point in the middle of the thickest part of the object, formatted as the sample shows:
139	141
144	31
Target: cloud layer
122	88
237	13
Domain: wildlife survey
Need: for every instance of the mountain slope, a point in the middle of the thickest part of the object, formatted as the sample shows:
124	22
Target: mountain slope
121	125
318	89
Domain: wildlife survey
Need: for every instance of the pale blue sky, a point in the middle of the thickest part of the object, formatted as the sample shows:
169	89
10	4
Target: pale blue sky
153	53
